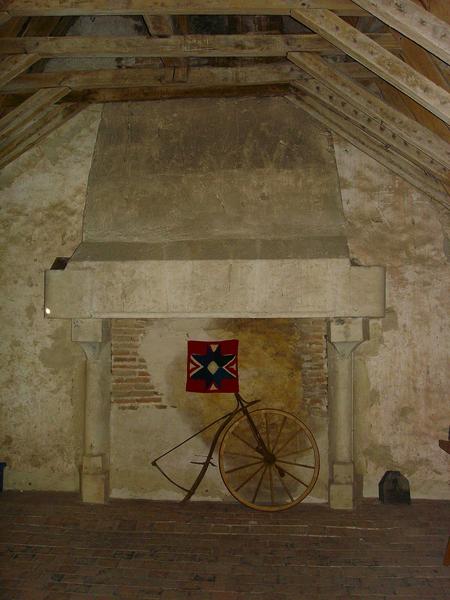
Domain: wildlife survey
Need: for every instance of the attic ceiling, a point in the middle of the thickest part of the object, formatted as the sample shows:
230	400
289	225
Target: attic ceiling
375	72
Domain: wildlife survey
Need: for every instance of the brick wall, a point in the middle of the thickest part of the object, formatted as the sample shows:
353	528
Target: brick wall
313	356
131	381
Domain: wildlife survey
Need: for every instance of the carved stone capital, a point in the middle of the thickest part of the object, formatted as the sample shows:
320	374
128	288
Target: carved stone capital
346	335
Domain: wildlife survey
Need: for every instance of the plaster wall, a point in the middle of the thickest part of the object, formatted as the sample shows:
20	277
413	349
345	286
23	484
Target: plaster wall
42	197
401	373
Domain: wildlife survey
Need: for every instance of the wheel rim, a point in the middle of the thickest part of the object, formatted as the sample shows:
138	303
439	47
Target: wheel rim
270	481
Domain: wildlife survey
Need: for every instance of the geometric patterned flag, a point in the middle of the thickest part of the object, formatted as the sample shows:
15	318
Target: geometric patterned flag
212	367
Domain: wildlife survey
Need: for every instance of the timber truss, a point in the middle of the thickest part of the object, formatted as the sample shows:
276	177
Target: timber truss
375	72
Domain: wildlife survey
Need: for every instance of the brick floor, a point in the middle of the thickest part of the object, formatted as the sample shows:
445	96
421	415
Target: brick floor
52	547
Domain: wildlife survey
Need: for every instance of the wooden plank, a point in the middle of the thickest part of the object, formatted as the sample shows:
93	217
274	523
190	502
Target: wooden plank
159	25
374	57
162	26
41	26
25	112
172	7
162	92
414	22
407	105
278	72
11	66
178	45
33	135
407	128
385	156
13	27
374	127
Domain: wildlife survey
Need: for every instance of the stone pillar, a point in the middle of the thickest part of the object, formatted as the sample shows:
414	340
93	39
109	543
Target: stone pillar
94	337
344	335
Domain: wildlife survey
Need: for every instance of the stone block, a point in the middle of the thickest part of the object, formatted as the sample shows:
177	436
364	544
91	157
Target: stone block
88	330
348	330
343	473
94	487
341	496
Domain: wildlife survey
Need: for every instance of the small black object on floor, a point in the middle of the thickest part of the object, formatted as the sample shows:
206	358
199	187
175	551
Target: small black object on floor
394	488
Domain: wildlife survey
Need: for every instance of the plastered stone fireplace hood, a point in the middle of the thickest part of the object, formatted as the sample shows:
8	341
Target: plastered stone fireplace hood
217	207
214	208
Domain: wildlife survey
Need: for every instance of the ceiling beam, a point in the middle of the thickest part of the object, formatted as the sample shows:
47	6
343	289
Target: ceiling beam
11	66
377	59
260	74
171	7
29	109
33	134
414	22
403	126
178	45
410	108
162	26
378	151
374	127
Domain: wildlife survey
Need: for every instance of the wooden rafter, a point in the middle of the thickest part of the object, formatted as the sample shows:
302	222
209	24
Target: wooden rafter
414	22
382	154
374	127
33	134
278	72
171	7
29	109
11	66
162	26
413	110
403	126
374	57
259	45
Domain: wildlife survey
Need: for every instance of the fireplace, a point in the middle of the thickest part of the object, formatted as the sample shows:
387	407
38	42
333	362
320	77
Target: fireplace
206	215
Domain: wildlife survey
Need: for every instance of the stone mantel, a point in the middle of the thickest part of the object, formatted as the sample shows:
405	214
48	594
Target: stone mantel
258	288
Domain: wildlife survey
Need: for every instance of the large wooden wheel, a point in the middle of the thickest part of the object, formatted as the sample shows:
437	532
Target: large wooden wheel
274	472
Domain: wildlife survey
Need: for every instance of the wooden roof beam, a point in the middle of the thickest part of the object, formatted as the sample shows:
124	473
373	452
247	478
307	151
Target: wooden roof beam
414	22
403	126
171	7
254	45
29	109
33	134
377	59
374	127
11	66
378	151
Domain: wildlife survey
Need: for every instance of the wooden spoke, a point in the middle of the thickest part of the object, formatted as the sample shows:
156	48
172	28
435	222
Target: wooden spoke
294	477
267	431
284	485
243	467
229	453
259	483
288	441
249	478
271	484
295	452
244	441
289	462
283	422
